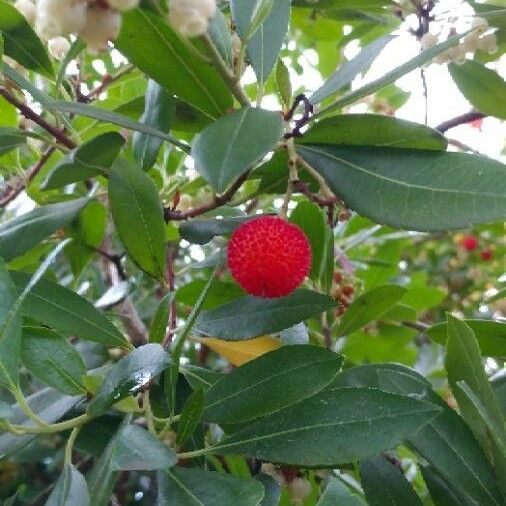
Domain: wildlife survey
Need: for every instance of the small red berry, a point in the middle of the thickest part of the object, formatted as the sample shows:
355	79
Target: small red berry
347	290
269	257
338	277
486	254
469	242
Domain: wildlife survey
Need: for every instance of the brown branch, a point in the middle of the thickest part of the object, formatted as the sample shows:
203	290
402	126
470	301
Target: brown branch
219	200
30	114
460	120
13	191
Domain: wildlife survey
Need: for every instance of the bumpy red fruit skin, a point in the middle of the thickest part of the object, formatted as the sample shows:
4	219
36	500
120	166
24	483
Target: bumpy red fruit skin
269	257
469	242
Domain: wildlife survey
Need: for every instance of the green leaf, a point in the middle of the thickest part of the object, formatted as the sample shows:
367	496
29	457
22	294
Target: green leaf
68	312
270	383
159	111
491	335
483	87
374	130
250	316
310	218
136	449
48	404
202	231
337	492
392	76
226	149
283	84
441	492
172	62
129	375
196	487
446	442
369	306
199	377
345	74
138	215
220	34
263	24
190	416
220	293
70	489
383	483
337	420
413	189
21	43
10	330
158	326
52	360
91	159
11	138
20	234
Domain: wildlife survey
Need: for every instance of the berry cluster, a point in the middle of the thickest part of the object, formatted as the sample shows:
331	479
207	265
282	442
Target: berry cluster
471	243
96	22
342	293
478	38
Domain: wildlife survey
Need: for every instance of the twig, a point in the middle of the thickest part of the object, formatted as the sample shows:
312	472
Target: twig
171	282
30	114
308	111
460	120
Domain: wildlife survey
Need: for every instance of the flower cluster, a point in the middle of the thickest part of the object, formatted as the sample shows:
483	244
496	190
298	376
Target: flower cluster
191	17
477	39
96	22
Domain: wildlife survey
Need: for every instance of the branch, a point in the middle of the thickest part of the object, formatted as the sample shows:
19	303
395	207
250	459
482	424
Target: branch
460	120
218	201
30	114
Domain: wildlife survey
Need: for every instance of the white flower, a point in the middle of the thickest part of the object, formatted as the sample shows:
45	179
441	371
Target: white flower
102	25
59	17
488	43
470	42
480	24
428	40
191	17
123	5
58	47
299	489
27	9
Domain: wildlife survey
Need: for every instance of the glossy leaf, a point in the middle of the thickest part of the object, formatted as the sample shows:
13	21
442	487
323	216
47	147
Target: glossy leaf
193	486
310	218
20	234
374	130
483	87
158	326
136	449
336	419
415	190
220	34
226	149
171	62
441	492
270	383
336	492
240	352
265	36
21	43
446	442
250	316
138	215
383	483
159	111
351	69
91	159
70	490
283	85
52	360
68	312
369	306
129	375
220	293
202	231
11	138
490	334
199	377
191	416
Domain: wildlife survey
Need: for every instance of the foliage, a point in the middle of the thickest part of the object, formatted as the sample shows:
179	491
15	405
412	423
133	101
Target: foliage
135	370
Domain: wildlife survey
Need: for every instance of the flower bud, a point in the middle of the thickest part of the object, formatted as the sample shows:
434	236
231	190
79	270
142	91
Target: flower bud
470	42
488	43
27	9
191	17
55	18
123	5
58	47
299	489
480	25
102	25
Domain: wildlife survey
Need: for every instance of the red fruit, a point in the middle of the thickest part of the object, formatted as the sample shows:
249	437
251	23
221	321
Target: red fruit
486	254
269	257
347	290
338	277
469	242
